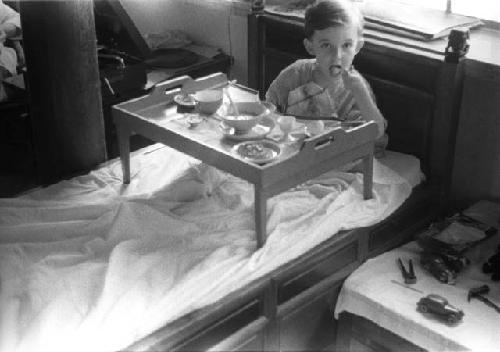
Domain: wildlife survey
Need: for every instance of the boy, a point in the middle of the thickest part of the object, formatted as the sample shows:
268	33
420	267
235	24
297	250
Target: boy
328	85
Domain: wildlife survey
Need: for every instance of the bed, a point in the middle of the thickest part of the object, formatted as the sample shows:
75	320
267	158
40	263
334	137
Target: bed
169	262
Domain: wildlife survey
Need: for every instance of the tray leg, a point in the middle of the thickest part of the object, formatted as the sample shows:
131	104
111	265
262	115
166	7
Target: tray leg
368	176
260	208
124	146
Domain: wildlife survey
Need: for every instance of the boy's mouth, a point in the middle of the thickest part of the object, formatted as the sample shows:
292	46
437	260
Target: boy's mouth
335	70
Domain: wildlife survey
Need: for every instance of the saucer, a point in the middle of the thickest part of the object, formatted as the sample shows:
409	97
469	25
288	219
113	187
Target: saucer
185	100
259	131
259	152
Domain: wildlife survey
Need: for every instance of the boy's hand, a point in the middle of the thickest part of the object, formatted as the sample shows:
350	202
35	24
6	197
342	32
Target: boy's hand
354	82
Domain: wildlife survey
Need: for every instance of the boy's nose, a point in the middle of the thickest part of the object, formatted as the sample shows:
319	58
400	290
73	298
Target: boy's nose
336	52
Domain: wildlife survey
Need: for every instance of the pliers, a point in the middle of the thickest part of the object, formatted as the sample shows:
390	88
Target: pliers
408	275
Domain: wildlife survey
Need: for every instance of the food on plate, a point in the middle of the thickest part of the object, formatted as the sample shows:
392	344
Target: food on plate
257	151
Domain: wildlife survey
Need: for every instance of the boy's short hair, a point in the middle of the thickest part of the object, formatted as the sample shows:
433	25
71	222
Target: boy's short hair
322	14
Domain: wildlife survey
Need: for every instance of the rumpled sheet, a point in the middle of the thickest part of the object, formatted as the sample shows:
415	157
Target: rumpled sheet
91	264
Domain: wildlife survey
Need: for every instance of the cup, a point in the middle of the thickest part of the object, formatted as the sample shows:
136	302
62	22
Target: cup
314	127
208	101
286	125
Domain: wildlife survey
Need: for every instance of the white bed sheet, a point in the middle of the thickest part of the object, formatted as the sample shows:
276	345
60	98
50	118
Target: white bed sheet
92	264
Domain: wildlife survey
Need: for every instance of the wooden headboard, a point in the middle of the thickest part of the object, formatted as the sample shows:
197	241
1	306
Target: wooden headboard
416	90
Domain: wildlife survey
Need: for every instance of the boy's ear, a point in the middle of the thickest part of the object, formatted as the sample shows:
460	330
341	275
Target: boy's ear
359	45
309	47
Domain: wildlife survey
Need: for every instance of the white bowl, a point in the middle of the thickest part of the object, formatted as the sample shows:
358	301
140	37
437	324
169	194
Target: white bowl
249	114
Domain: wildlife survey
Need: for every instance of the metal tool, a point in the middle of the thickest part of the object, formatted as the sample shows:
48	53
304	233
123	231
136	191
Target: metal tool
478	292
408	275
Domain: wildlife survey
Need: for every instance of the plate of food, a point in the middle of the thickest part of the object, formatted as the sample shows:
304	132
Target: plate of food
259	131
260	152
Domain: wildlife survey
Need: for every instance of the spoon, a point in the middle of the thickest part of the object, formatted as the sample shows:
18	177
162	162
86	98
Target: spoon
231	102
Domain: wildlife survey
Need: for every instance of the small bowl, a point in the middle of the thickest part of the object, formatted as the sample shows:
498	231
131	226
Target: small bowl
208	101
249	114
194	120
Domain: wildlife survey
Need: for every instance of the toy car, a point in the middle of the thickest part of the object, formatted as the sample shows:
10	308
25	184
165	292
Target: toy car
438	268
456	262
440	307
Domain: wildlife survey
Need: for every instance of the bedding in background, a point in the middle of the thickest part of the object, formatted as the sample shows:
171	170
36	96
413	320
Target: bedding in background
93	264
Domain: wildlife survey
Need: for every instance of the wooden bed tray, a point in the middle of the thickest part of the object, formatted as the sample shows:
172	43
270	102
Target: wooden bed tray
290	308
154	116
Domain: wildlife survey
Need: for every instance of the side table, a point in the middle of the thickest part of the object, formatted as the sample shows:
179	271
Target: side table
376	314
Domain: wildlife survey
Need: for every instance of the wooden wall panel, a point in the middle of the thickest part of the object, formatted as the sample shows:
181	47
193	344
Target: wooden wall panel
63	82
476	171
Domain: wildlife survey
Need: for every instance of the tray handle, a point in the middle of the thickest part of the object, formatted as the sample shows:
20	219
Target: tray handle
177	82
321	141
218	79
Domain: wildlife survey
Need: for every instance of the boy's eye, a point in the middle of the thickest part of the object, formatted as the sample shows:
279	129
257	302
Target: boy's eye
347	45
325	45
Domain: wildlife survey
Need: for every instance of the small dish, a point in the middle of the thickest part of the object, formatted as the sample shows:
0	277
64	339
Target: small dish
259	131
259	152
186	100
194	120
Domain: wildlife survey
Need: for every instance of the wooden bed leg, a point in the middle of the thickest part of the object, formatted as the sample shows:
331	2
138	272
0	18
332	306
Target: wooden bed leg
368	176
124	146
344	333
260	208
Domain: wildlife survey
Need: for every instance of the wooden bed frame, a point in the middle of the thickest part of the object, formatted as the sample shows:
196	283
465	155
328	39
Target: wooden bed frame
291	307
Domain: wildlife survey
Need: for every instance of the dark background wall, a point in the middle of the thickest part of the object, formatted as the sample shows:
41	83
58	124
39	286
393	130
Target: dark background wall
476	171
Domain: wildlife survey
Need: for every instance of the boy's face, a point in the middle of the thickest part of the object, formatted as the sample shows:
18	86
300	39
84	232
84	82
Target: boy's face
334	48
